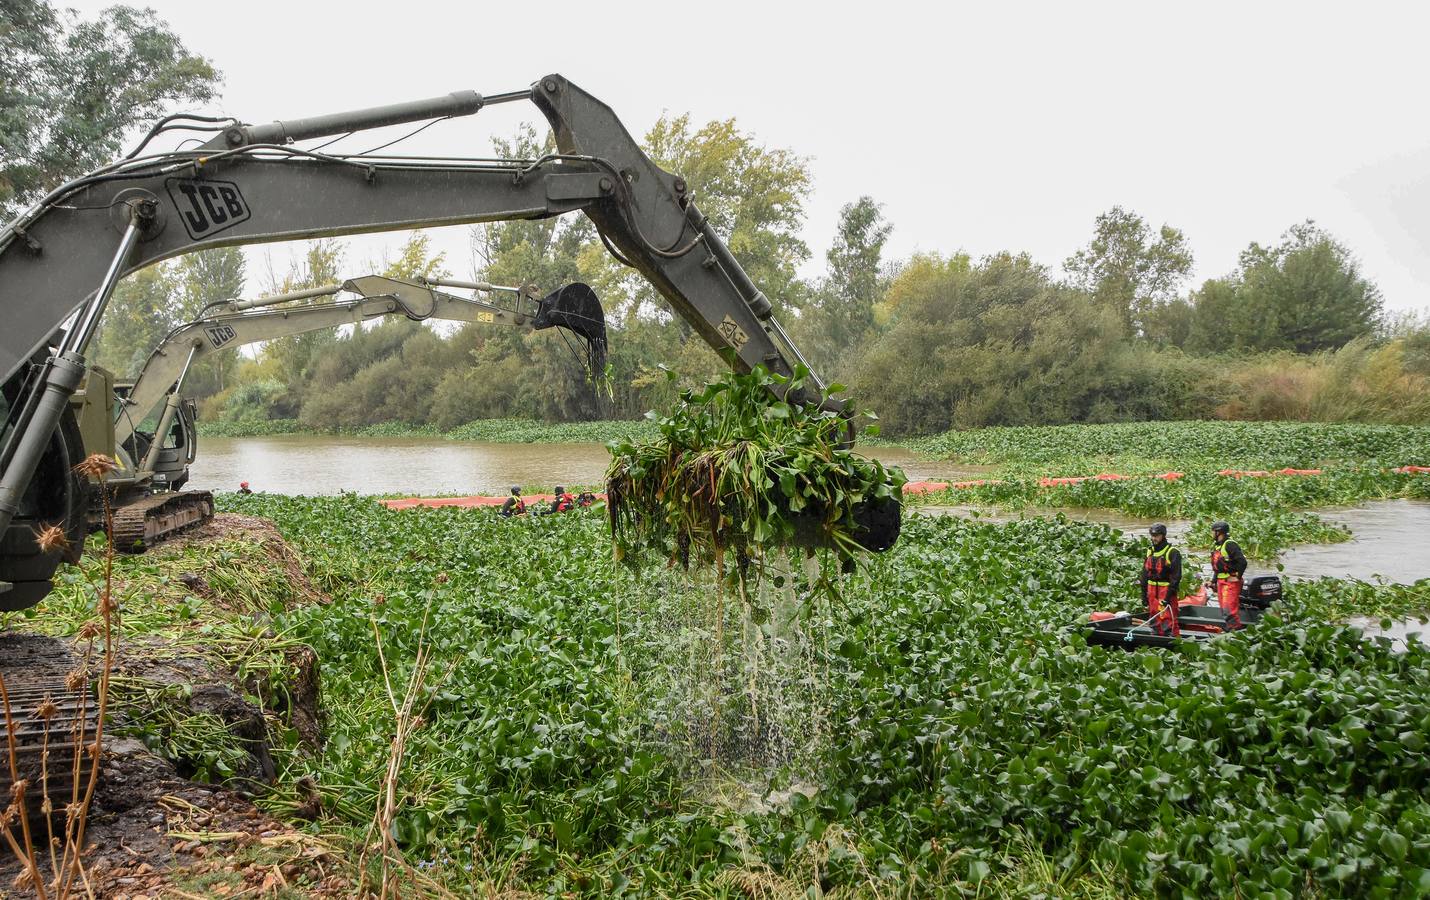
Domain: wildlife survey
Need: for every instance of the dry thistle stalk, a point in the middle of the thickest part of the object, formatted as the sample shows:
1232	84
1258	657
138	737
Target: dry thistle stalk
96	466
51	538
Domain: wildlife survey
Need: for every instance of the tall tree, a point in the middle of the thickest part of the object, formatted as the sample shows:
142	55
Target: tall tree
290	359
996	343
144	307
753	195
207	277
839	317
1305	294
70	89
1129	269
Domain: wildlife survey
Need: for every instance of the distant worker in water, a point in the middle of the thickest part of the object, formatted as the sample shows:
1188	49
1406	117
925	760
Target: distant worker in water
1161	577
243	488
562	501
585	499
514	505
1229	564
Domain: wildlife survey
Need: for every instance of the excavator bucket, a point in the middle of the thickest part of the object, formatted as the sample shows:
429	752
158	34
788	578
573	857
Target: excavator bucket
576	308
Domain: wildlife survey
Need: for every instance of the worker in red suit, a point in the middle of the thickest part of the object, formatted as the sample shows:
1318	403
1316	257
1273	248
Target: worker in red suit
1229	565
1161	579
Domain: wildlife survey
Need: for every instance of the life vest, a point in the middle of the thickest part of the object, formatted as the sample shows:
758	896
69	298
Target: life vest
1157	567
565	502
520	509
1221	563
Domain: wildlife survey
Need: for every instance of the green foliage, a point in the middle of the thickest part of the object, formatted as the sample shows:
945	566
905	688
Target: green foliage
246	427
995	343
248	408
143	309
171	632
1151	447
837	321
1128	271
736	469
1267	514
525	431
1304	294
71	89
752	194
292	359
968	735
500	431
205	277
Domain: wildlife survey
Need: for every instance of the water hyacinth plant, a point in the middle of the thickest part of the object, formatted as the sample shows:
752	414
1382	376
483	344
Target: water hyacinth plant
737	468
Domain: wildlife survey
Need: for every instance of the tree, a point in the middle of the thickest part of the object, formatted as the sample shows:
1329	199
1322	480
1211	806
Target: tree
1128	270
204	278
416	261
144	308
753	195
839	318
70	90
1304	294
290	359
997	343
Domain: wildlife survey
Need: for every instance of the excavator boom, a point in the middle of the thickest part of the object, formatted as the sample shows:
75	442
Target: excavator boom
376	296
60	261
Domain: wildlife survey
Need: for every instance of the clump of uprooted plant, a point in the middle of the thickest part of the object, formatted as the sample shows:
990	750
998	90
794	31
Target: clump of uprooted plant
738	469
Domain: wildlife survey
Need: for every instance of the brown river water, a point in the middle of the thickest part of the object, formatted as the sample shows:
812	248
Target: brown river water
306	464
1389	540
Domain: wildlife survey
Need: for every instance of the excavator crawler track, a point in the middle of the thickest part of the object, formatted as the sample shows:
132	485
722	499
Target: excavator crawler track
52	713
143	523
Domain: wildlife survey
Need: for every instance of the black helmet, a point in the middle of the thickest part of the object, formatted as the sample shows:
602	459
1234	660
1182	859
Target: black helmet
516	489
1221	527
560	489
1159	528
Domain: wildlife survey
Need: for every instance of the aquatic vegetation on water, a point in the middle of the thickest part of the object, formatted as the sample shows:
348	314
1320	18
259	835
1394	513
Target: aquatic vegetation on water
1267	514
1138	447
975	739
736	469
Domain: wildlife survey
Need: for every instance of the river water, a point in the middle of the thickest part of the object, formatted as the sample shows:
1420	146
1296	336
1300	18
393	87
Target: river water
1389	542
307	464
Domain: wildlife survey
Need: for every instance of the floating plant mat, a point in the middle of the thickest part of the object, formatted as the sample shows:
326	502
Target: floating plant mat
736	470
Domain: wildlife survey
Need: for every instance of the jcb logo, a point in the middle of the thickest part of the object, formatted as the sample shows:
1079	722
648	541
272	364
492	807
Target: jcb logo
219	335
207	207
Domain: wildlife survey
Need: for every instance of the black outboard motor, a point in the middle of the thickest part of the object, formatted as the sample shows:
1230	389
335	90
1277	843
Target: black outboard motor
576	308
1260	591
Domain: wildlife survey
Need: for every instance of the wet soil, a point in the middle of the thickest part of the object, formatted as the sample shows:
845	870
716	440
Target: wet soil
154	832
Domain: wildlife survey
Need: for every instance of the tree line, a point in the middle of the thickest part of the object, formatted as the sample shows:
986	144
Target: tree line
934	341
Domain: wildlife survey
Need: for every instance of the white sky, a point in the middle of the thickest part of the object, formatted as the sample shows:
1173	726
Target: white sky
980	127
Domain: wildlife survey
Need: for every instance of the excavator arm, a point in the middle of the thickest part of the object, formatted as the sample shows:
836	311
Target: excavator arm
60	261
239	323
247	186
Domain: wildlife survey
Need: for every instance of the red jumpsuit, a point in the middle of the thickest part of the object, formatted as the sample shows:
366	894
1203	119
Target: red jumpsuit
1161	575
1228	562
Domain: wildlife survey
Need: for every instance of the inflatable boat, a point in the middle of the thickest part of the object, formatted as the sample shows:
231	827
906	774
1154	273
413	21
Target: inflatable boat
1200	618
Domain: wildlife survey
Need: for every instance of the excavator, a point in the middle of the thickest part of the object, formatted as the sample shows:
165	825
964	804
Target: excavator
250	183
146	502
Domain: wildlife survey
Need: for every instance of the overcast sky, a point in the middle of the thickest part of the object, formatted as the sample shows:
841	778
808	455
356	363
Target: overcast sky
980	127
